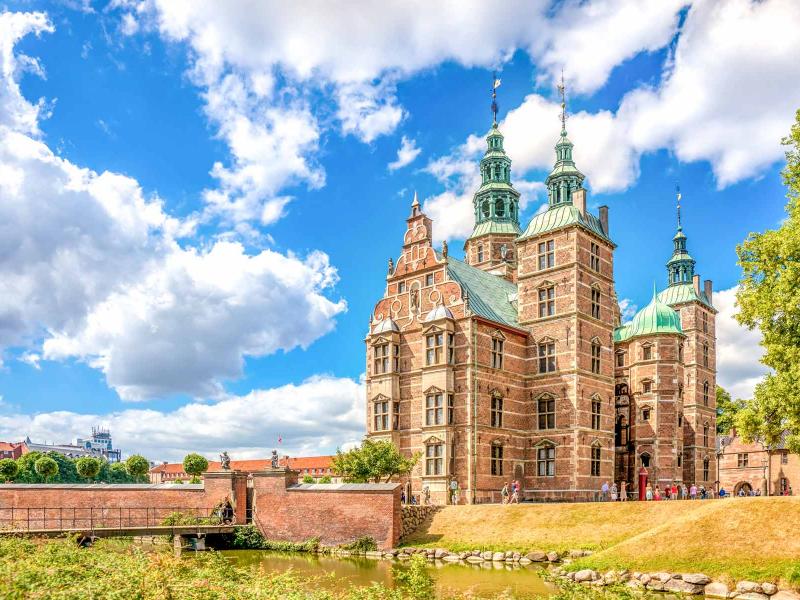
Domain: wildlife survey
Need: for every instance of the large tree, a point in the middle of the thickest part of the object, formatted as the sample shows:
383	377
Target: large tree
372	461
137	467
195	465
769	298
727	410
46	467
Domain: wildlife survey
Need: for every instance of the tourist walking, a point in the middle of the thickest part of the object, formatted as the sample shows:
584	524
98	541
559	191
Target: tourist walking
674	491
426	495
648	494
614	492
604	491
623	491
684	492
657	494
693	492
504	494
514	492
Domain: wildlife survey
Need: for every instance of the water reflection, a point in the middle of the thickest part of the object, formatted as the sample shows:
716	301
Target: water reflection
481	580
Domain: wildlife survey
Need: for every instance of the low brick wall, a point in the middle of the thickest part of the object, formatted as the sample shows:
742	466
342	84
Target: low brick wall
414	516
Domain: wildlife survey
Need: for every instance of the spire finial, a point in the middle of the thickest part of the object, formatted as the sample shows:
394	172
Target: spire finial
562	90
655	293
678	196
416	200
495	85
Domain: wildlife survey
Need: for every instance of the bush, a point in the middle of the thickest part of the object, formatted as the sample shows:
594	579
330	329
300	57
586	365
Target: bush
308	479
182	518
326	479
178	481
8	469
250	538
46	467
414	580
362	544
137	466
88	467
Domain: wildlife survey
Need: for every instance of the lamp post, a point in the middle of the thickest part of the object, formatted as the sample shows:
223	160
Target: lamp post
765	484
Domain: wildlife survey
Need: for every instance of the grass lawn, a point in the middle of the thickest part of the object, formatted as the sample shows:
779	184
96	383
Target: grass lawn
742	538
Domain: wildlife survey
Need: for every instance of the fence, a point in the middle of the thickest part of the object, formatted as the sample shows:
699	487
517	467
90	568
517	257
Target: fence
91	518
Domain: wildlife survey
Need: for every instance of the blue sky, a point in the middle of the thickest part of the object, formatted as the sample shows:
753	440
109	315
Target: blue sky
199	205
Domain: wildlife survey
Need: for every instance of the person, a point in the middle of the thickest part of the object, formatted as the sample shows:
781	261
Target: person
657	494
426	494
413	500
623	491
604	491
684	492
614	492
403	497
674	491
702	492
453	488
693	492
504	493
648	494
741	492
514	492
722	492
667	492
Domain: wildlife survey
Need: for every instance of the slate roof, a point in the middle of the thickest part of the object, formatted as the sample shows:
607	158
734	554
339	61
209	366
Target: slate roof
563	216
682	293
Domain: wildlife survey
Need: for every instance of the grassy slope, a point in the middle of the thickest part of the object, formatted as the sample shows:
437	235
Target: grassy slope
742	538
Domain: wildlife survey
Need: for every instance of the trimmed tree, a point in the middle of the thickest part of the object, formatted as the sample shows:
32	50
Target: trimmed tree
137	467
195	465
372	461
88	467
8	469
46	468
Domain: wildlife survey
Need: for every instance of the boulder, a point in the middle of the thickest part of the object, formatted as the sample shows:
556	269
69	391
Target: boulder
769	588
697	578
474	559
584	575
440	553
683	587
655	585
524	561
487	555
752	596
552	556
451	558
576	553
716	589
744	587
662	577
785	595
536	556
373	554
498	556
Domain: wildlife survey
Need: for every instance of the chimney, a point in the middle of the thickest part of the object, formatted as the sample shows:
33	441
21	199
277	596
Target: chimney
708	288
579	200
696	284
604	218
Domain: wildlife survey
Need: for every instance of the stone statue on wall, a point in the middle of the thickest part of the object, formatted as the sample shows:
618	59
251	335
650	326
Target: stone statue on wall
414	301
225	460
274	459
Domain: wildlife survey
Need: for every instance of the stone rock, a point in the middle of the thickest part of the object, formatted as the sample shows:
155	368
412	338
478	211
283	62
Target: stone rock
388	555
516	555
373	554
769	588
440	553
584	575
662	577
634	583
576	553
474	559
644	578
552	556
697	578
752	596
785	595
451	558
486	555
716	589
655	585
683	587
498	556
525	561
536	556
744	587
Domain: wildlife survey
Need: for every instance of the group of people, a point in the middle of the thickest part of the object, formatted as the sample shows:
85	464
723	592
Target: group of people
675	491
614	493
510	492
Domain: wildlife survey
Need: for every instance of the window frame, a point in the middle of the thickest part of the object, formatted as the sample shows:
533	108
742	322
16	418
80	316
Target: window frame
480	253
596	351
742	460
434	352
429	280
547	301
548	415
647	352
546	460
497	352
384	414
547	356
620	359
381	358
546	258
496	459
596	457
595	307
434	409
434	459
594	257
597	413
496	411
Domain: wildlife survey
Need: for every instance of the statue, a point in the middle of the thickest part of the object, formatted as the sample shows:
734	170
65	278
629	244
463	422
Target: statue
274	459
444	248
414	301
391	267
225	460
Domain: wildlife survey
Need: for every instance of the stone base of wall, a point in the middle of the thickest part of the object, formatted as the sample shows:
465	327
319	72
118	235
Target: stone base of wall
414	516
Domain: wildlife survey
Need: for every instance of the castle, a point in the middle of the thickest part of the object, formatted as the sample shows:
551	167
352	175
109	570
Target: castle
514	364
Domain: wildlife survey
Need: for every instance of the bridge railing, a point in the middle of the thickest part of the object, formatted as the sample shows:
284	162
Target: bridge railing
103	517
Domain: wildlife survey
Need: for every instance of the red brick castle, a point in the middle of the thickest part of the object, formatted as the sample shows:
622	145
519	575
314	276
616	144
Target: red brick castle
513	363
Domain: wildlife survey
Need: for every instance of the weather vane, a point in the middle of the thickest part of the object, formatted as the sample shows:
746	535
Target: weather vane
562	89
678	195
495	85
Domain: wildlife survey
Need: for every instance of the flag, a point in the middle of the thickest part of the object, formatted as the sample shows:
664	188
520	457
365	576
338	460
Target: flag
496	83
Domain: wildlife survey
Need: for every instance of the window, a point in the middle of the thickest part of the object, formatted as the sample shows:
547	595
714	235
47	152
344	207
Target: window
451	348
705	435
680	390
645	460
429	279
381	415
680	353
645	414
647	387
497	459
451	414
396	416
497	353
705	354
497	412
705	393
680	460
546	254
547	302
596	461
705	322
396	358
433	459
784	458
480	253
546	461
620	359
401	287
705	469
595	303
742	460
547	357
596	414
433	344
380	358
680	419
547	412
595	357
647	352
594	257
434	410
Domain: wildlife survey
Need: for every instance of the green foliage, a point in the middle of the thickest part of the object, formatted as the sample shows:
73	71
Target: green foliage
362	544
182	518
793	575
769	298
326	479
67	470
250	538
137	467
88	467
178	481
576	591
727	410
372	461
46	467
308	479
194	479
117	473
414	580
8	469
194	464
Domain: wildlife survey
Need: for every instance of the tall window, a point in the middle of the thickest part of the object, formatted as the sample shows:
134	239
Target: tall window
594	257
647	387
620	359
595	357
547	301
434	410
497	353
742	460
705	469
705	393
434	460
705	435
596	461
451	348
680	419
647	352
429	279
451	414
547	412
705	354
380	358
546	254
645	460
596	414
547	357
705	322
546	461
680	460
434	346
396	358
497	459
480	253
381	415
595	303
497	412
680	352
645	414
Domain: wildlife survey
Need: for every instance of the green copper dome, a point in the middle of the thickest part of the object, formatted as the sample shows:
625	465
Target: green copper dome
655	318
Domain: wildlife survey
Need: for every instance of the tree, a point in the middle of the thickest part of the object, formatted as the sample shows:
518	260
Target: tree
195	465
117	474
8	469
769	298
727	410
137	466
372	461
88	467
46	467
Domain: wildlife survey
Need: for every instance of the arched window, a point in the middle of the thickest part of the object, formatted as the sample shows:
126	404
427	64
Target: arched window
645	457
500	208
705	393
546	460
705	434
705	354
486	209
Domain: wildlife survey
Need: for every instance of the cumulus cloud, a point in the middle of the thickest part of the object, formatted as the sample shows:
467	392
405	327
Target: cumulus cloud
315	416
406	154
368	111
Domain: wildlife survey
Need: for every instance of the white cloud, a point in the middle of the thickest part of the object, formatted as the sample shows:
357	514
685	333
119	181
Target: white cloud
406	154
627	309
738	349
368	111
312	417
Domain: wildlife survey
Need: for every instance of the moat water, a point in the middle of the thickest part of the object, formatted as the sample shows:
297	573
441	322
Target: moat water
450	579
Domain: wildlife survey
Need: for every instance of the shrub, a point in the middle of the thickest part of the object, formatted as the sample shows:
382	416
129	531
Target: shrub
46	467
362	544
88	467
793	575
414	580
195	465
137	466
178	481
8	469
248	538
308	479
326	479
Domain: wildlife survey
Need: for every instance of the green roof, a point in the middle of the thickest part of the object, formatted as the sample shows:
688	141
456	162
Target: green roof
490	296
561	216
683	293
490	226
655	318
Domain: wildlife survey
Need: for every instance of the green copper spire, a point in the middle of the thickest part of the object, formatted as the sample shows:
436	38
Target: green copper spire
680	268
655	318
565	177
496	202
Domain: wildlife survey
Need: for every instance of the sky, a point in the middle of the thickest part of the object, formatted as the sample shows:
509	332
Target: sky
198	199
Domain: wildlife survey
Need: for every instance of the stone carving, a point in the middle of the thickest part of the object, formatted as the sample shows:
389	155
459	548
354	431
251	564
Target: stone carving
391	266
414	301
225	460
274	459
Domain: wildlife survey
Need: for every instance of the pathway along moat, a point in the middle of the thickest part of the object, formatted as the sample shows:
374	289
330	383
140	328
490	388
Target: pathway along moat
334	573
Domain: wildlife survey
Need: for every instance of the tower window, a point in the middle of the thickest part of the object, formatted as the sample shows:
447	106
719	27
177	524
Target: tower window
705	354
705	322
497	412
451	348
705	393
645	415
497	353
620	359
547	302
594	257
546	461
434	460
596	408
433	345
396	358
547	357
680	420
480	253
401	287
546	254
680	352
595	303
705	468
596	461
647	352
500	208
680	460
497	459
381	413
380	359
451	411
547	412
647	387
434	410
429	279
645	460
705	435
595	357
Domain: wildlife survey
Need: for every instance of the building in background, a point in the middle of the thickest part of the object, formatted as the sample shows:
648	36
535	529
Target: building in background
313	466
98	445
753	467
100	441
11	449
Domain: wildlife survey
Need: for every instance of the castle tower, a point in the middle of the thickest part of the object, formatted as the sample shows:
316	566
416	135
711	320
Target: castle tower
496	204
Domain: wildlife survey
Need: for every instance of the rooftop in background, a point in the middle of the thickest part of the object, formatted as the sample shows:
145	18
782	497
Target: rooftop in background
307	465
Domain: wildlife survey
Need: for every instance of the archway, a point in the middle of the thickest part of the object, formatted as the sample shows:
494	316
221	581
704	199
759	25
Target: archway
742	486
